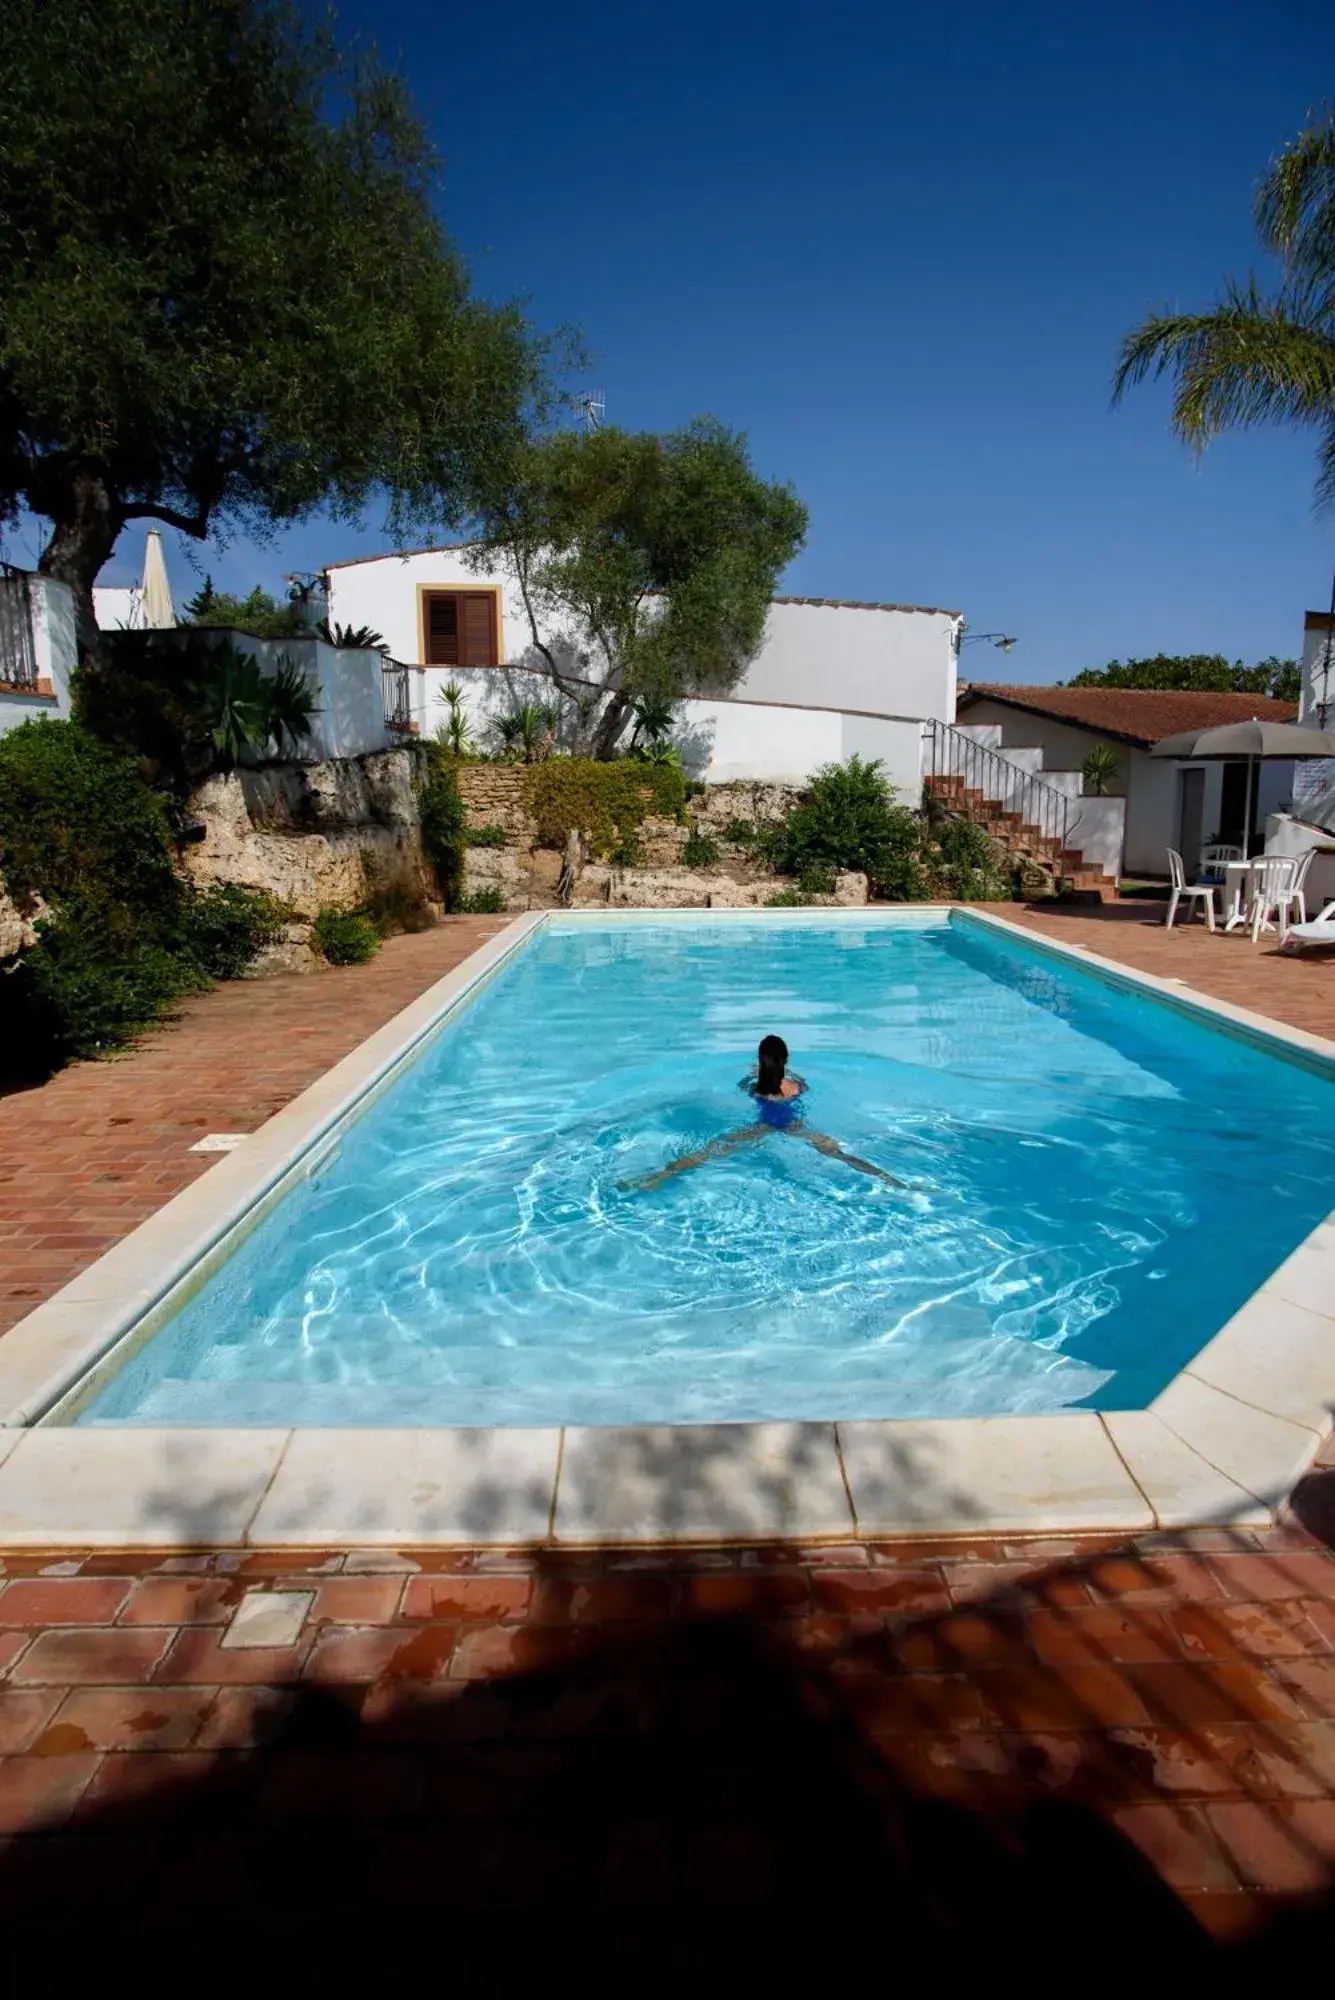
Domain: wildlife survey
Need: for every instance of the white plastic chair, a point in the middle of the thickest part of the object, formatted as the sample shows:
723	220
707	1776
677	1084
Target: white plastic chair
1215	860
1275	892
1194	892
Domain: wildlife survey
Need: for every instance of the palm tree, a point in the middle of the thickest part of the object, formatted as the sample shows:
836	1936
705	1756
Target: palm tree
1257	357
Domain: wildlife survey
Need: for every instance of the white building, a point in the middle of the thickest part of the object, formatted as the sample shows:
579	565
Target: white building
1158	803
832	678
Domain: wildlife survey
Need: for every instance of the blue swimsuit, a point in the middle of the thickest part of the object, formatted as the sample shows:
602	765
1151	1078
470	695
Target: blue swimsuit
780	1112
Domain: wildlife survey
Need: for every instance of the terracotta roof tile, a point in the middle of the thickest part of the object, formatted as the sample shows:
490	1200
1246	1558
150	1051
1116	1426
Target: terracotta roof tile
1136	715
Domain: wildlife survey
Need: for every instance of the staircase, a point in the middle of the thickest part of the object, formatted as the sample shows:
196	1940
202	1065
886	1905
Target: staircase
1034	818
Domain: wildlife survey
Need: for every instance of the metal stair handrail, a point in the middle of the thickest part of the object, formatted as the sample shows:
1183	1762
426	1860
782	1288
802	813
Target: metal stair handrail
951	753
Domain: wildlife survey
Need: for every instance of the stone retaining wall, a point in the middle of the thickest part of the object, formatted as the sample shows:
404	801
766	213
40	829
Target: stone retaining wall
493	795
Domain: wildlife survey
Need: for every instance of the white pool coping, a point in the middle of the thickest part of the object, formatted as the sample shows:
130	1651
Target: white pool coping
1223	1443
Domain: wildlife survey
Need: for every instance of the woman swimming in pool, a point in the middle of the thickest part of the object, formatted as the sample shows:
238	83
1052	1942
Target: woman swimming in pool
777	1097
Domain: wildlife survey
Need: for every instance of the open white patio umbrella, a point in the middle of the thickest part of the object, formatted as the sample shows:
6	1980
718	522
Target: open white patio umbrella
1255	741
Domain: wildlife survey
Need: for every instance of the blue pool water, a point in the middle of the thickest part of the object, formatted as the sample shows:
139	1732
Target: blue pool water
1094	1182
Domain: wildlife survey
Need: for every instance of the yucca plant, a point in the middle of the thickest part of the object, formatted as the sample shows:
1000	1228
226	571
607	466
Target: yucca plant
453	730
1261	357
526	731
1100	769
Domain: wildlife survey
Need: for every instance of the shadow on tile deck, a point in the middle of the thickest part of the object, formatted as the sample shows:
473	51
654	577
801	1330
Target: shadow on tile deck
1081	1767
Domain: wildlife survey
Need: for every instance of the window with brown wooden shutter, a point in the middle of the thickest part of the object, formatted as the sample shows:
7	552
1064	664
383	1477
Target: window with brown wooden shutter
461	628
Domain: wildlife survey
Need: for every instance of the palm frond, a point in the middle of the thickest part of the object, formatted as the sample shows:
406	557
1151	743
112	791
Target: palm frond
1295	207
1251	360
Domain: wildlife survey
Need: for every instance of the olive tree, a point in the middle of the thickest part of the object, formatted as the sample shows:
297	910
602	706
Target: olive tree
225	295
645	563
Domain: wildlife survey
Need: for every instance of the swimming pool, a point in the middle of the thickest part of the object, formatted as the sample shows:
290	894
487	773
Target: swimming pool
1093	1182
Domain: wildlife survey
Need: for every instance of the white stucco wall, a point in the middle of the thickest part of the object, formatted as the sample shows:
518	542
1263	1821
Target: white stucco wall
852	660
1317	686
118	609
350	721
55	652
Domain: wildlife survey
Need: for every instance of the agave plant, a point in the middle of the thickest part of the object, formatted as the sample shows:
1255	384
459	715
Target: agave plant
1100	769
290	701
231	702
526	731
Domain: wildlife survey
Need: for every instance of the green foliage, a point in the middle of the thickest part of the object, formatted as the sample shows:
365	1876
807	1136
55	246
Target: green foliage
665	549
1205	673
1100	769
259	614
1255	357
228	297
486	836
700	851
124	935
289	702
345	937
740	832
225	927
453	730
351	636
653	716
229	698
817	882
787	899
526	732
962	844
442	815
79	826
599	800
656	753
627	851
849	821
489	901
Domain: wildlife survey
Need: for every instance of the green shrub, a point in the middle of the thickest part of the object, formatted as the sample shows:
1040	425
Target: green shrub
225	927
133	695
741	832
345	937
599	800
77	822
700	851
485	836
849	821
489	901
67	999
627	852
443	823
787	899
816	882
964	845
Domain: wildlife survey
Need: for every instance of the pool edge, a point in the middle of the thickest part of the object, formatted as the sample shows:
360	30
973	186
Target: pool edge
1201	1454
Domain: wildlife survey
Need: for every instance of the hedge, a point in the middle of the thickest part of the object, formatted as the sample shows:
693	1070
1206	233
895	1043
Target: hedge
606	802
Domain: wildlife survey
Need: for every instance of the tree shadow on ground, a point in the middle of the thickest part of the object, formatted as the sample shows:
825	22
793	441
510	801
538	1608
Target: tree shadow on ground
722	1772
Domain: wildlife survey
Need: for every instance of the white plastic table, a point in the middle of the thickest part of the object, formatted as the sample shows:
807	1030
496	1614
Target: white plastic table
1241	885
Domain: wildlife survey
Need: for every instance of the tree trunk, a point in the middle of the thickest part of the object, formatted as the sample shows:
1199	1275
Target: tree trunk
611	726
87	521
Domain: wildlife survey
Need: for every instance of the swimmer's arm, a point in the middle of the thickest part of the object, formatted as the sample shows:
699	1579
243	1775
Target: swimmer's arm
717	1149
834	1151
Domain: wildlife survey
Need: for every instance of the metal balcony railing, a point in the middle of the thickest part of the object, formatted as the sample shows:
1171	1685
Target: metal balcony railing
18	658
1042	809
396	688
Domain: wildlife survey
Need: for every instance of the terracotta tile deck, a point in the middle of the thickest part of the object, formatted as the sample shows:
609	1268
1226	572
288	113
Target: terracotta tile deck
742	1767
86	1157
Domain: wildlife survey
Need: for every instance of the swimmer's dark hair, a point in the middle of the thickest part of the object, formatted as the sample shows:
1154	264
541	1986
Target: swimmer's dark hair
773	1054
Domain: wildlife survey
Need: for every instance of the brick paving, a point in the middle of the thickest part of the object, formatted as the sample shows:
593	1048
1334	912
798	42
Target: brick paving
88	1156
744	1767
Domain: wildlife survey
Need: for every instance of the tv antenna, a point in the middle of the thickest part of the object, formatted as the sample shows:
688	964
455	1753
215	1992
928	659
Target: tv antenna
593	408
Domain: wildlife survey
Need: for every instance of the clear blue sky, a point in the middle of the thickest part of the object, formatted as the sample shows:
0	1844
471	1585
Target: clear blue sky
897	245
